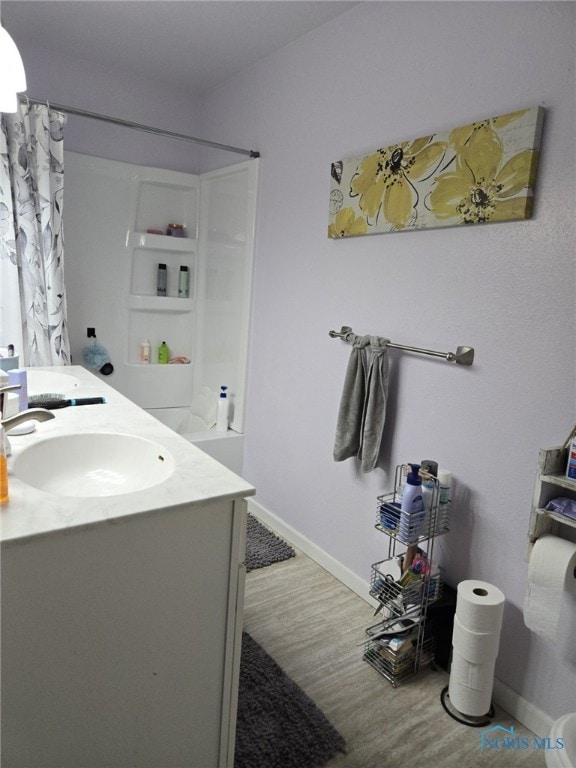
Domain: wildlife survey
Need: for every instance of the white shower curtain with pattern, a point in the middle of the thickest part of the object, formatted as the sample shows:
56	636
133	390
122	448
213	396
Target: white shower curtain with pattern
32	291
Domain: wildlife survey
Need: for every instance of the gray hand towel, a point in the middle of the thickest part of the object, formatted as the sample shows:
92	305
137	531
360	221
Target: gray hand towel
349	424
374	414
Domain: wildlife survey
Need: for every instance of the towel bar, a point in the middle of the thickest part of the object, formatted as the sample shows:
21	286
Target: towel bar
462	356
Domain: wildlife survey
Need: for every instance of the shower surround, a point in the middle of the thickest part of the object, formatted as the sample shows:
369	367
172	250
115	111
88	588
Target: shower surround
111	265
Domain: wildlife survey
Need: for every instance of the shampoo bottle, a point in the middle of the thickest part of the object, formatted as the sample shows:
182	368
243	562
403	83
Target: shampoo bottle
183	283
222	413
161	280
163	353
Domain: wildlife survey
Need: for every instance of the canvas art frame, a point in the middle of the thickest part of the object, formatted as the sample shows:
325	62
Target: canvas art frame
478	173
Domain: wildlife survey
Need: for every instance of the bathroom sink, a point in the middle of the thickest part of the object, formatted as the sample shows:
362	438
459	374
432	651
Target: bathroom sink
53	382
94	464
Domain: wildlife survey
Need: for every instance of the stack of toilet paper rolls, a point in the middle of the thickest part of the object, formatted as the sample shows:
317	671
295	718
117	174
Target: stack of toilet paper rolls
475	642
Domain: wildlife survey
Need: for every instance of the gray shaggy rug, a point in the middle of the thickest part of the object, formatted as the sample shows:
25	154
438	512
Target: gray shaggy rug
278	725
263	547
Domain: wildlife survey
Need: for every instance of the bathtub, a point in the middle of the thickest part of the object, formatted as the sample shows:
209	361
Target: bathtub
225	447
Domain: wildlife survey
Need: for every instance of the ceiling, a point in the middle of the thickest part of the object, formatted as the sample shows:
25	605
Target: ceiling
189	44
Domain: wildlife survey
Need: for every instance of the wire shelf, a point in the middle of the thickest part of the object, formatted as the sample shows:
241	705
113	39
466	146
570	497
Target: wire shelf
398	599
398	646
399	657
411	527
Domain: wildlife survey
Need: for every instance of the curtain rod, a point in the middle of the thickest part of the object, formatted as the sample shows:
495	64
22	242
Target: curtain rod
462	356
140	127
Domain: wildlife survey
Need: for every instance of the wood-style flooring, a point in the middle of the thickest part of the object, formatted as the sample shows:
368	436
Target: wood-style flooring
313	626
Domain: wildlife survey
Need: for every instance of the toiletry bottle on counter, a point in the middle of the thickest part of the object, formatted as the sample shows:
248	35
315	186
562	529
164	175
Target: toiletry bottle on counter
183	283
161	280
163	353
145	352
3	467
412	495
19	376
222	414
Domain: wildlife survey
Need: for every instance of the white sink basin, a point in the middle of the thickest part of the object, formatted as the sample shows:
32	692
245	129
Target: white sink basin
52	382
94	464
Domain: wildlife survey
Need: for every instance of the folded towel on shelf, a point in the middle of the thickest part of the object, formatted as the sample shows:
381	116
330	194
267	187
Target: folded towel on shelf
362	411
349	424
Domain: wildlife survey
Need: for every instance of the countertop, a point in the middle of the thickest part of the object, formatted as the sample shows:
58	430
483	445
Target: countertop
197	478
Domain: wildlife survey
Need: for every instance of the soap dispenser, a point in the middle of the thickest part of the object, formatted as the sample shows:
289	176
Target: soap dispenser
222	414
3	467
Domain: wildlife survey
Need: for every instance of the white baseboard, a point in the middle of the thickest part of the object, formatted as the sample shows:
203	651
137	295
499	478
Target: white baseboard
316	553
503	696
522	710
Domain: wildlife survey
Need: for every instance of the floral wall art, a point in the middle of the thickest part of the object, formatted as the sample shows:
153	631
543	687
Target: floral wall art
482	172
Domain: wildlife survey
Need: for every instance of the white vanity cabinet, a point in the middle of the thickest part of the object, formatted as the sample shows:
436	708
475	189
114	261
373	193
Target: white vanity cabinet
121	616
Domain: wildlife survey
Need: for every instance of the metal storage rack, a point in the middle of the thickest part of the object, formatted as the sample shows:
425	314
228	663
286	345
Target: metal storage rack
399	645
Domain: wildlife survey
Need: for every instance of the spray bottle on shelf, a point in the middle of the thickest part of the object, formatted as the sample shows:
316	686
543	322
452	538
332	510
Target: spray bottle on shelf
222	414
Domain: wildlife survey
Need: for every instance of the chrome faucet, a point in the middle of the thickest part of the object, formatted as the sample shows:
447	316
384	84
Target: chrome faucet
32	414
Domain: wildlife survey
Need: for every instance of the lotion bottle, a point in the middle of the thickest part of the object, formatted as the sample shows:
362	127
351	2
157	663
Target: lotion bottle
145	352
222	413
412	500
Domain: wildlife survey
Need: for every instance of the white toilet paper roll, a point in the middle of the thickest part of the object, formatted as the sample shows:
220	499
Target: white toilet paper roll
476	647
466	674
468	701
480	606
470	685
551	572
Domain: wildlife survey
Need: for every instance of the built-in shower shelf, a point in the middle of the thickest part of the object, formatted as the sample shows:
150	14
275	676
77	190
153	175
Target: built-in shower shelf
160	242
159	303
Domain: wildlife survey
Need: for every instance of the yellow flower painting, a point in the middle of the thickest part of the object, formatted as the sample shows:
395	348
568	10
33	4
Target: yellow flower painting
478	173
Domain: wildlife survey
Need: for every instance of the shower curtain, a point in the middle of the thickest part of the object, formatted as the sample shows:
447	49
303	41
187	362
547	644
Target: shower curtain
32	292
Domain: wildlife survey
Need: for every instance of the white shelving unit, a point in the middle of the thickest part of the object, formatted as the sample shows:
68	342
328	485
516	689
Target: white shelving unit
551	483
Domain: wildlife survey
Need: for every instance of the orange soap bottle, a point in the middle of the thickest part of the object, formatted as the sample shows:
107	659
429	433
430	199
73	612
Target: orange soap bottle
3	468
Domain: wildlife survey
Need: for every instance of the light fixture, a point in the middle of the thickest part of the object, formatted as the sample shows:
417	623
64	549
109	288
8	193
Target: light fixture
13	75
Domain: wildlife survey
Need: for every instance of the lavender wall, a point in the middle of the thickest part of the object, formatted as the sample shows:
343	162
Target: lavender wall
381	73
84	85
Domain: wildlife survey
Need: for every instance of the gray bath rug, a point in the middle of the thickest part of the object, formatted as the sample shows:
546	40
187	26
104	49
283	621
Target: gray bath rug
263	547
278	725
